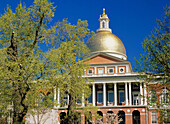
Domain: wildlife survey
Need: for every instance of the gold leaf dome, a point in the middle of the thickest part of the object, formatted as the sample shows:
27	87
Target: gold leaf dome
105	41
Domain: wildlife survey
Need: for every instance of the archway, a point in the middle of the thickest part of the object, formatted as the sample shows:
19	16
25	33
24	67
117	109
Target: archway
136	117
99	119
77	118
62	118
88	118
121	116
110	117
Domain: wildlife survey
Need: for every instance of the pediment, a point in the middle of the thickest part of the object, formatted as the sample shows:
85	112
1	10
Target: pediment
101	58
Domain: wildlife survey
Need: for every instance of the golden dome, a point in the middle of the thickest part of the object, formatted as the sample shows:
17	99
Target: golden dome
105	41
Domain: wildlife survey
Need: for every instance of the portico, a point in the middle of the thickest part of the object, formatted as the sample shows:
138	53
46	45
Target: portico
122	93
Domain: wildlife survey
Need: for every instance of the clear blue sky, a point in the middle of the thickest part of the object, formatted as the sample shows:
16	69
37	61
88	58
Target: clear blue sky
130	20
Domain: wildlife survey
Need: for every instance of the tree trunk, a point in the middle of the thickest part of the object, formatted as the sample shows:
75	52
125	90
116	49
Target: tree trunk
71	105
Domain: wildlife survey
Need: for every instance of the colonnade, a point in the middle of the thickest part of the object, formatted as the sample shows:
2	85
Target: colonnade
128	95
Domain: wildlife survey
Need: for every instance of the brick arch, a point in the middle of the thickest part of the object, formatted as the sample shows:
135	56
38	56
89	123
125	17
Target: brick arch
61	117
122	114
136	117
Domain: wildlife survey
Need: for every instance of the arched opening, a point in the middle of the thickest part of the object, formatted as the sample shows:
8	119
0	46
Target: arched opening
136	117
62	118
110	117
77	118
103	24
99	118
88	118
121	117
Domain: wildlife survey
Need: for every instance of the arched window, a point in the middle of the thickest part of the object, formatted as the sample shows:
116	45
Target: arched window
136	117
110	117
103	24
99	118
121	117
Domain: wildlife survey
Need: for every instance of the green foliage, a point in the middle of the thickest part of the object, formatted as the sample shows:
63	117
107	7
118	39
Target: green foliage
156	48
68	68
21	67
28	75
154	64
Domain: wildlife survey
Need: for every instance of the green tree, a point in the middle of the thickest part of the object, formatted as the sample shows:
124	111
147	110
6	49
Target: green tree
21	67
155	63
69	57
26	72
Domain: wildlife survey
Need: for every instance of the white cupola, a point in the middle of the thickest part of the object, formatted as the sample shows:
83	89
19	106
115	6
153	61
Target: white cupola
104	22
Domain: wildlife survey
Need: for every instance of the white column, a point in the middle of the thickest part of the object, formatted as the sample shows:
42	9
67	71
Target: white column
83	101
94	98
55	96
130	94
126	93
145	99
141	94
58	98
104	94
115	94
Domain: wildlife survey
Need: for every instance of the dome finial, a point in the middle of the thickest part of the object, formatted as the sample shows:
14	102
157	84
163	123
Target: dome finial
103	11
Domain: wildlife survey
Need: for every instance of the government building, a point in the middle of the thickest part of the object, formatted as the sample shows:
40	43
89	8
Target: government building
115	89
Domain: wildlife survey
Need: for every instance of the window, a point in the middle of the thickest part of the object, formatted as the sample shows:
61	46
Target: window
110	70
121	70
153	117
100	96
165	96
90	71
110	96
121	96
90	98
135	98
100	71
64	100
78	99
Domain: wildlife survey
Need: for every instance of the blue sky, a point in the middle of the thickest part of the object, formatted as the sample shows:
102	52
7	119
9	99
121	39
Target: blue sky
130	20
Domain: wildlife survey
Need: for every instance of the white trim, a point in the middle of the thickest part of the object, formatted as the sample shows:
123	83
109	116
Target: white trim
128	114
